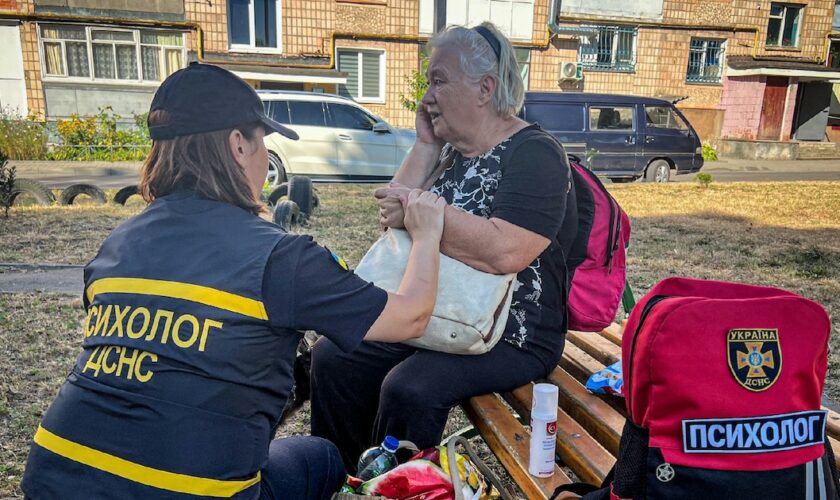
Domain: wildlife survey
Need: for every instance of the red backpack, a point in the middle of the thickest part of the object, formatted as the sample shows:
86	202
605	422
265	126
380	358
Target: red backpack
723	389
596	263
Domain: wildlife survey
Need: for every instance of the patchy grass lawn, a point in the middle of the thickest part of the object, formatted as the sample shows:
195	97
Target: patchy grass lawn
777	234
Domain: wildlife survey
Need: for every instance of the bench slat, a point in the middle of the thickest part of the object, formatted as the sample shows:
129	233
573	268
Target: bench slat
509	441
577	449
613	333
579	364
601	420
596	346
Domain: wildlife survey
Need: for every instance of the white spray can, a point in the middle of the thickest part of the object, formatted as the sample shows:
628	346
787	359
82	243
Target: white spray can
543	430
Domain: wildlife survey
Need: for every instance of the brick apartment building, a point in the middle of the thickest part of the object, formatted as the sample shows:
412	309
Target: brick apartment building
744	69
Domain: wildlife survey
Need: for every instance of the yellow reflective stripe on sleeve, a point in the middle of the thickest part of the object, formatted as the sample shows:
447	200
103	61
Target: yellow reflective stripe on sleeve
176	290
156	478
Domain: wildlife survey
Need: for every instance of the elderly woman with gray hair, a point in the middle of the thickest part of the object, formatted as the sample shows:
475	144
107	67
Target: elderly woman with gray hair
508	212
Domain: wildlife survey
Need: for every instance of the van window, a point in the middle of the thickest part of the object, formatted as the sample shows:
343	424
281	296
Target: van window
610	118
664	117
278	111
556	117
307	113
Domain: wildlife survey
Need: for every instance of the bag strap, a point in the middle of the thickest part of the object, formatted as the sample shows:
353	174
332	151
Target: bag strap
452	458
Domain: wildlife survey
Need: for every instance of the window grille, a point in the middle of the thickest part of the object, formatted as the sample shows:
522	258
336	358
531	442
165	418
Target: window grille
613	48
705	61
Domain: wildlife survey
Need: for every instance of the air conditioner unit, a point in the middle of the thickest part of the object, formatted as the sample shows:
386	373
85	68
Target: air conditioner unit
571	71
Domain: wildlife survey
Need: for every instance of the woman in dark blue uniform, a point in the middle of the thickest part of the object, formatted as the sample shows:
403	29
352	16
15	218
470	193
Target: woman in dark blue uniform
193	308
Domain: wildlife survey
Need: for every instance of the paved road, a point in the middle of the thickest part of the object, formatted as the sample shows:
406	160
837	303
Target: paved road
119	174
769	170
18	278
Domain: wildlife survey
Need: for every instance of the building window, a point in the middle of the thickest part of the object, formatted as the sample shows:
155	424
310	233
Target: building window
110	54
365	74
523	58
254	25
515	18
783	27
613	48
704	61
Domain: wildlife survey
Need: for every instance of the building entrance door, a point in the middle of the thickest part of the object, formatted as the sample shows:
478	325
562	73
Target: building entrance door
812	111
773	108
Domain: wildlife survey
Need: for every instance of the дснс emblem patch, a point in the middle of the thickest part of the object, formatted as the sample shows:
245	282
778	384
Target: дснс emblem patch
755	357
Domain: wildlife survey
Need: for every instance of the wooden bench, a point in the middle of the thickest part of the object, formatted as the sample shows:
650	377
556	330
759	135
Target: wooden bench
588	426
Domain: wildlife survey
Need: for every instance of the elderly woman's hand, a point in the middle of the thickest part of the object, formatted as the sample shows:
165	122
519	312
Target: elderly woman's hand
424	129
423	214
391	212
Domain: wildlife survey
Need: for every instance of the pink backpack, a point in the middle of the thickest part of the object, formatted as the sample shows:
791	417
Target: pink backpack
597	260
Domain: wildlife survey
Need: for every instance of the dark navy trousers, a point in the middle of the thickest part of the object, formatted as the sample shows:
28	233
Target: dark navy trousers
301	467
391	389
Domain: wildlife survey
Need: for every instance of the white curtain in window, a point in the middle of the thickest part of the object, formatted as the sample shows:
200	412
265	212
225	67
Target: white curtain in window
126	62
103	61
151	63
77	59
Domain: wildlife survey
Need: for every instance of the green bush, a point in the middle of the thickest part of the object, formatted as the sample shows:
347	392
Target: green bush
703	179
709	152
98	138
417	86
21	138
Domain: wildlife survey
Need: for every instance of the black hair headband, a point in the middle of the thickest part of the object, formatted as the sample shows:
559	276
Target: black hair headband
491	39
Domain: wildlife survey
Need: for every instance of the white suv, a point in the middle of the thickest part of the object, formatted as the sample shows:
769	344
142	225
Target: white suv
340	141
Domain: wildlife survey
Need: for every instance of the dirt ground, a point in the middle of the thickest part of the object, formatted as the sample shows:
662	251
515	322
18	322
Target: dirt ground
776	234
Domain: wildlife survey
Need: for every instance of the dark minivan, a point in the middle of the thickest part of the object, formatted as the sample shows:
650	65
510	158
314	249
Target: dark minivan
620	137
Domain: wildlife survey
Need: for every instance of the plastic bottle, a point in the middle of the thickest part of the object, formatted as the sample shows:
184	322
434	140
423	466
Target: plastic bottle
543	430
379	460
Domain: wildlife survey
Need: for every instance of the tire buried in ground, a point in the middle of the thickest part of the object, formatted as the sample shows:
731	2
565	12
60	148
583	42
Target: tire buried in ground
300	192
69	194
125	193
40	192
286	214
280	191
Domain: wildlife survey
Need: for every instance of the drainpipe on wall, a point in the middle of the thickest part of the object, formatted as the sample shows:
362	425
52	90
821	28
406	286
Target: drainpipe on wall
553	9
440	16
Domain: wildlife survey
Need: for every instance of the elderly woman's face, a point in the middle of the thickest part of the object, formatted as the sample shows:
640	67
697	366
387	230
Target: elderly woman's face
450	101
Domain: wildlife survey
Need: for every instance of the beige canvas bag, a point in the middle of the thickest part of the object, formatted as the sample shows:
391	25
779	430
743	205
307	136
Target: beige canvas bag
471	309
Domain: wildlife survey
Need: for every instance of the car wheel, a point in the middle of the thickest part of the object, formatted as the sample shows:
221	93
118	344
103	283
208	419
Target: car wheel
40	192
276	171
286	214
300	192
125	193
69	194
658	171
622	180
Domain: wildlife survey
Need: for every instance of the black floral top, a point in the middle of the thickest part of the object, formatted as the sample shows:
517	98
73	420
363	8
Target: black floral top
523	180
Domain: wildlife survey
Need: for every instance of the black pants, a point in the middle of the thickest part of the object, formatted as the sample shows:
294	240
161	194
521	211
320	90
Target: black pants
380	389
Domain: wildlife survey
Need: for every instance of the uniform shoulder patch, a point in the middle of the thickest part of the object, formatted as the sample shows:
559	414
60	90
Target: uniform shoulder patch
338	260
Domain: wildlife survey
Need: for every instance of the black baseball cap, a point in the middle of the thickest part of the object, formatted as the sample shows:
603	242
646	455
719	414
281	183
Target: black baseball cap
203	98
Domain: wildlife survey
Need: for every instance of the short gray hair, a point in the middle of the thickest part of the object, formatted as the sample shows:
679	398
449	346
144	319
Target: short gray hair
478	59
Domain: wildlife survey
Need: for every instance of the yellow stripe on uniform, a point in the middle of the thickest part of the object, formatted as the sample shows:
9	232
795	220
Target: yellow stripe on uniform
156	478
176	290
